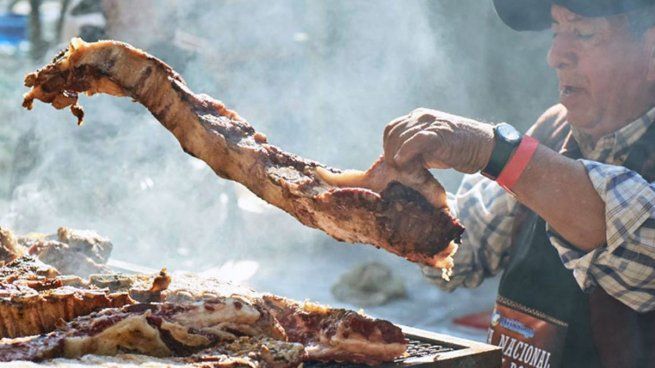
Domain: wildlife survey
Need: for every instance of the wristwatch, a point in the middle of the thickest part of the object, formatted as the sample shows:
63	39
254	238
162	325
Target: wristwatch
507	139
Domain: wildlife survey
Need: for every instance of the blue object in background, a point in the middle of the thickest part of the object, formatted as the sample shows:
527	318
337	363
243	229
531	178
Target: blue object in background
13	28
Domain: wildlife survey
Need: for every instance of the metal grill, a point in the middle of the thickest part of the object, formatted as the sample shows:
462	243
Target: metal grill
432	350
425	349
416	349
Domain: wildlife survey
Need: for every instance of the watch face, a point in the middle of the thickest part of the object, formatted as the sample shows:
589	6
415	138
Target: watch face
508	132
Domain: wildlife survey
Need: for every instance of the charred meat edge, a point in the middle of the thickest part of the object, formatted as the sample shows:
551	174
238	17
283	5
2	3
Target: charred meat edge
404	213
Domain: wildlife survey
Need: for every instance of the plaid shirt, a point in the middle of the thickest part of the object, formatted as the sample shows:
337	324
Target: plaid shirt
624	267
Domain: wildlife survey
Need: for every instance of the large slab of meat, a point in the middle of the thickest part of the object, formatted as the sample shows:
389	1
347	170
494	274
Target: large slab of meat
201	330
195	323
402	212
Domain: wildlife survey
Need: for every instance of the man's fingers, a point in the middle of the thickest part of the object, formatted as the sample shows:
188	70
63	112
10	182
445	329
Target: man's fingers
391	139
413	147
401	132
392	124
411	131
397	128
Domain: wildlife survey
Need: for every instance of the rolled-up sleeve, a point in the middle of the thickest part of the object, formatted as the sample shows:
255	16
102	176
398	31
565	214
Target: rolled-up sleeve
487	213
625	266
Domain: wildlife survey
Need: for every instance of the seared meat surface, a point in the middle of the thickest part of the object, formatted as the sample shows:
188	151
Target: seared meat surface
9	247
330	334
404	213
267	331
151	329
35	297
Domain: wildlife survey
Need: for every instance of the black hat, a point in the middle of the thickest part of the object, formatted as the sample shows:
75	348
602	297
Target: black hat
534	15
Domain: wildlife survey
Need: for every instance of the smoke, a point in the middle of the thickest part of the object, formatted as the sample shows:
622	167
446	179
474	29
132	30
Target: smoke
320	79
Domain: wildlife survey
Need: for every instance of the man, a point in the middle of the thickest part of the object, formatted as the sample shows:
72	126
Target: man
572	223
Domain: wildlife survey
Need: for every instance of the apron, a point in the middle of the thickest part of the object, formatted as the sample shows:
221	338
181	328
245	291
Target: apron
542	318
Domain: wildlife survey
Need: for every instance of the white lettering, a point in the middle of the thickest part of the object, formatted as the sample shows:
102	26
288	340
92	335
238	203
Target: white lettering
523	353
516	350
535	357
542	360
528	353
503	341
547	365
510	348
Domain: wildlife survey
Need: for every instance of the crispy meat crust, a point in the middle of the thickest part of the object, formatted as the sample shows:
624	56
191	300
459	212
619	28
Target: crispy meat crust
213	327
9	248
152	329
332	334
404	213
35	298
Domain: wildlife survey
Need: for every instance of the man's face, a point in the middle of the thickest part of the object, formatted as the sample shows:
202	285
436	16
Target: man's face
602	70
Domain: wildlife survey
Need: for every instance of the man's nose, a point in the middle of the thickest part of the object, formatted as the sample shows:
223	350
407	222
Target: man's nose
562	53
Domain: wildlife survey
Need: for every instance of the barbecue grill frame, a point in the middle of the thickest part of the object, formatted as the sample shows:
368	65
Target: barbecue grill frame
465	353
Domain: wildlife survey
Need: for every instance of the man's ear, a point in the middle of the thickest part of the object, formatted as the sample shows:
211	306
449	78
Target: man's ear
649	45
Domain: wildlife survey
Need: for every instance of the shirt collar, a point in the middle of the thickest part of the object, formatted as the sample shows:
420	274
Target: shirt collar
613	148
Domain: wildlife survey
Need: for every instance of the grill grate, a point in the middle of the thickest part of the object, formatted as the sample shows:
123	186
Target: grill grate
418	349
415	349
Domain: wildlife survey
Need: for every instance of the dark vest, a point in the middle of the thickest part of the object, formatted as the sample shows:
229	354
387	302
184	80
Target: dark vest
602	331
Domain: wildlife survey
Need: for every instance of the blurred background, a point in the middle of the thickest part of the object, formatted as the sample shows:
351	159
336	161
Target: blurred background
320	79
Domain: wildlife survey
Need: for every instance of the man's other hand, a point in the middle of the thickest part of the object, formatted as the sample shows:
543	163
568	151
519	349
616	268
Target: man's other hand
439	141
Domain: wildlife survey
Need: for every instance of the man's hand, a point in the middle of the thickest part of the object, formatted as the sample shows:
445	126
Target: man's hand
439	140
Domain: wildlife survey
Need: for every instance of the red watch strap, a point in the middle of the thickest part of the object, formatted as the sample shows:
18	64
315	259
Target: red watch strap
517	163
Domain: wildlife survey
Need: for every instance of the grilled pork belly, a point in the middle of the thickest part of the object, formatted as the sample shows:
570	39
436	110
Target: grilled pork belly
404	213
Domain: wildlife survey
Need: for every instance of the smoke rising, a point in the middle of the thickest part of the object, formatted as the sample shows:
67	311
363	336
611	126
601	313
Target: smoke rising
320	79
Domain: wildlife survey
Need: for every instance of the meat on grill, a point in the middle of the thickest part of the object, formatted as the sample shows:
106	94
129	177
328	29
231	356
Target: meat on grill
272	331
249	352
9	247
70	251
341	335
34	297
327	334
404	213
152	329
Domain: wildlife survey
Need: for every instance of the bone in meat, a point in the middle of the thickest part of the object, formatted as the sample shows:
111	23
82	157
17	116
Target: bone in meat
403	213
